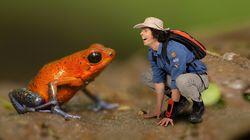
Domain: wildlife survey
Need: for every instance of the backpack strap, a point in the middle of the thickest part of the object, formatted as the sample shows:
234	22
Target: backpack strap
164	51
154	58
193	66
165	46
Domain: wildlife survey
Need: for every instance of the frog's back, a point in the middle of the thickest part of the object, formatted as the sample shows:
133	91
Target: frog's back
50	72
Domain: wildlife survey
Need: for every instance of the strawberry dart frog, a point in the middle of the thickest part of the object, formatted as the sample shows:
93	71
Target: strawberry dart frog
58	81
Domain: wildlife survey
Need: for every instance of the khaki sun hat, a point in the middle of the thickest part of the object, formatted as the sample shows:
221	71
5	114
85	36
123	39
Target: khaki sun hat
152	22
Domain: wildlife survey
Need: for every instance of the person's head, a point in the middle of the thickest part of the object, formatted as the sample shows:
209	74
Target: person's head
152	31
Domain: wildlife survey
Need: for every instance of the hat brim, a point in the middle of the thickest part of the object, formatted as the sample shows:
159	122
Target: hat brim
142	25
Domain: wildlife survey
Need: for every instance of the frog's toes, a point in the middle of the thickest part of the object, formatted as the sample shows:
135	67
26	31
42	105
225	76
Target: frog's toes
110	106
105	106
69	116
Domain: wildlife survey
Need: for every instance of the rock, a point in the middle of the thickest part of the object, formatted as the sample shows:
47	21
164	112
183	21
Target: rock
229	56
237	84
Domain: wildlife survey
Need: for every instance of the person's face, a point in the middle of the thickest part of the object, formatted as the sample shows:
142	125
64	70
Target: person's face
147	37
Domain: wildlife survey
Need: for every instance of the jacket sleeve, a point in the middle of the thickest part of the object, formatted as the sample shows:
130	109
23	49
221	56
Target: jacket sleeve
178	59
159	75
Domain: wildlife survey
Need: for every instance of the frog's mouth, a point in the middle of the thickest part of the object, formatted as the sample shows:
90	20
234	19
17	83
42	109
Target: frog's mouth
108	57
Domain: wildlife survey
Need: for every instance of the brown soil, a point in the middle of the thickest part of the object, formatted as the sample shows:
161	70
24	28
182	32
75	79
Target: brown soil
120	83
237	41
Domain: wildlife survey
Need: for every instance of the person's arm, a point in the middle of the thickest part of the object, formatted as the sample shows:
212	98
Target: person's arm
175	95
159	87
158	79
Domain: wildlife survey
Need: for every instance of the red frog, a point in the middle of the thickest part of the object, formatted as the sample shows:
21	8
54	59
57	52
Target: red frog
58	81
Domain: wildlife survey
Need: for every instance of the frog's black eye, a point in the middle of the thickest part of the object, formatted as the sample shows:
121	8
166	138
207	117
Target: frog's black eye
95	57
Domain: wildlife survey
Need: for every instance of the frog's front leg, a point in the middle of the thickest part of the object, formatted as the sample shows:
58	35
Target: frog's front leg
53	93
99	104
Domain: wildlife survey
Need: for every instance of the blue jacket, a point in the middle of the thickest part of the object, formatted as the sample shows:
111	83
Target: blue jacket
179	56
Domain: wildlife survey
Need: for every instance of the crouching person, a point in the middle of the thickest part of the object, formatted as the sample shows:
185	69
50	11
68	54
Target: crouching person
175	71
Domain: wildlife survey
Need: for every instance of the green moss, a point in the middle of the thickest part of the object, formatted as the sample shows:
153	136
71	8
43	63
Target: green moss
6	104
246	96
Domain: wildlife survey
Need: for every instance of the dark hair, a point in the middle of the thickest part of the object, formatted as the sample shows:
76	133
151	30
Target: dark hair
161	36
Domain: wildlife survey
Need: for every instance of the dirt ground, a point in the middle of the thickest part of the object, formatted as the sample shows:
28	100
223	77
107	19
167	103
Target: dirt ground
120	83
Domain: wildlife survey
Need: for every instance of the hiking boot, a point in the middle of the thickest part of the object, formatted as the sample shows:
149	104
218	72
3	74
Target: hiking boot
179	108
197	112
183	105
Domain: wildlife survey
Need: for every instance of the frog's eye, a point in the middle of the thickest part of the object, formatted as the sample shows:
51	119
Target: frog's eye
95	57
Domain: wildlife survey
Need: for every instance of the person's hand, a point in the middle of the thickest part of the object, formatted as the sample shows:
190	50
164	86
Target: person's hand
155	114
165	122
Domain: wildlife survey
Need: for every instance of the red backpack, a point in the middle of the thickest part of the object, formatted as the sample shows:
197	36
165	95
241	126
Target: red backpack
191	43
188	41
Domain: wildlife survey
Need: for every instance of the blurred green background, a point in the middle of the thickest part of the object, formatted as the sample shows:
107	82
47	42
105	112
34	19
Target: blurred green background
33	33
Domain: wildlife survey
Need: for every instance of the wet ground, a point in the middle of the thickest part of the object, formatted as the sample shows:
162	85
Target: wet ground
120	82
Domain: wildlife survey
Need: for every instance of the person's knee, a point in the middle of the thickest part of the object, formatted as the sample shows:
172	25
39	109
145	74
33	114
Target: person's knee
187	89
181	82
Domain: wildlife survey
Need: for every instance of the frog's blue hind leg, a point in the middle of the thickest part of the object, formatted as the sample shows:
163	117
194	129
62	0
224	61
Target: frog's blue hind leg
99	104
24	100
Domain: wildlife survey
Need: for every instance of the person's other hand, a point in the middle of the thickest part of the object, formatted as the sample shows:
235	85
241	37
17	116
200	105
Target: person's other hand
165	122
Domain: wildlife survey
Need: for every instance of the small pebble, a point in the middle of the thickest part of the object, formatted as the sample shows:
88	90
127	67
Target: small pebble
237	84
124	107
141	112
